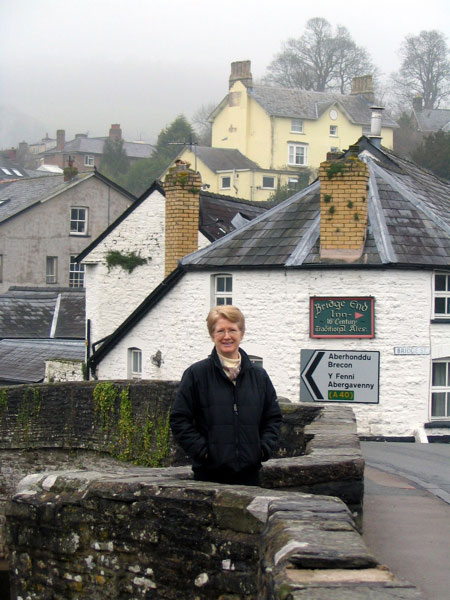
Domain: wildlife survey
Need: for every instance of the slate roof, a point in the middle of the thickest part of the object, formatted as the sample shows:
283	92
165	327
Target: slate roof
224	159
22	361
42	313
409	224
217	212
431	120
17	196
87	145
10	170
302	104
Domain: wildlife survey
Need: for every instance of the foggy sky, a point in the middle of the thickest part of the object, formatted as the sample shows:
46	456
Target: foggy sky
81	66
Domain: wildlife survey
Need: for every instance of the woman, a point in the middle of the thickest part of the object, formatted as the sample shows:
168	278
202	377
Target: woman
226	415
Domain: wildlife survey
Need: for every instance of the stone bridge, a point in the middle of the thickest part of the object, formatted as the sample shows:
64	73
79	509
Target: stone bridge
93	516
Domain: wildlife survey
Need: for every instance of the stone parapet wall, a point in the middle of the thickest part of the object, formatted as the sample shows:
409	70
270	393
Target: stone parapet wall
148	533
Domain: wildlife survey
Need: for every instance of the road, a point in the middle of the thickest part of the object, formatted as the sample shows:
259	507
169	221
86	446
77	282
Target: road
407	512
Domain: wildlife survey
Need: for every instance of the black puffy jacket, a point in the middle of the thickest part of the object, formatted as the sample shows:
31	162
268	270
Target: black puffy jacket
219	424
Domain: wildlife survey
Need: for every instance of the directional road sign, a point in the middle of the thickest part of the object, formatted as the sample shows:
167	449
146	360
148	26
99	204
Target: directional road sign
339	376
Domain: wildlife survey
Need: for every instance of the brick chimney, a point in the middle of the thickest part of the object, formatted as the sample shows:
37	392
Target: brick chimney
343	208
363	86
60	139
115	133
240	71
182	190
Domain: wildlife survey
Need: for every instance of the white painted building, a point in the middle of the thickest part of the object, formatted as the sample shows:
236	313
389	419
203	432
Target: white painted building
396	252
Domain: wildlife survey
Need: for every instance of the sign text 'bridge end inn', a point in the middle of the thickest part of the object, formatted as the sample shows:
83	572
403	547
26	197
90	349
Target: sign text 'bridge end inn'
342	317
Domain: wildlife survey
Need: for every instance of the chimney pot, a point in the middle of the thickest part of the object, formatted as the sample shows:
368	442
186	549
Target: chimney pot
375	125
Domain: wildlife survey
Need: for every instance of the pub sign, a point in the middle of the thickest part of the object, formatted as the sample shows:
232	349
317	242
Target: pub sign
342	317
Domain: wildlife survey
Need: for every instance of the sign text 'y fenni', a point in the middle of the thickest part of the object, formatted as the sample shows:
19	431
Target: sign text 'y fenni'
342	317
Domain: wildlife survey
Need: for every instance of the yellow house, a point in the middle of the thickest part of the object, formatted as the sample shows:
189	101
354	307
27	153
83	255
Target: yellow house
228	171
290	129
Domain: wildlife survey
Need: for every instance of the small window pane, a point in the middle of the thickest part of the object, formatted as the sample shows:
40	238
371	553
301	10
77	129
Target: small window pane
220	284
229	284
440	283
439	370
438	404
439	306
220	301
228	300
268	182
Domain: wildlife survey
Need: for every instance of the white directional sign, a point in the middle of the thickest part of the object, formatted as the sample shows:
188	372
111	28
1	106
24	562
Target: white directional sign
339	376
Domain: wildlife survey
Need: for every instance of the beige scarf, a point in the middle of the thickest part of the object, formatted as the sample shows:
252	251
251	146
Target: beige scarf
231	367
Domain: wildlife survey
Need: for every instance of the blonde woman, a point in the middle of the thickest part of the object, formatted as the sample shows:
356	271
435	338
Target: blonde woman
226	415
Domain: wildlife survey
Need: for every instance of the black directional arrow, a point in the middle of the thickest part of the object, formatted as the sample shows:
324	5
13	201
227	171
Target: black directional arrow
309	374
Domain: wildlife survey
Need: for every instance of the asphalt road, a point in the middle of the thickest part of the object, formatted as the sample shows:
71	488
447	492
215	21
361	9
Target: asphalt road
407	512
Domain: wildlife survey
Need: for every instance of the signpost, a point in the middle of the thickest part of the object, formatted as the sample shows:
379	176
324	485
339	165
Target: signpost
342	317
340	376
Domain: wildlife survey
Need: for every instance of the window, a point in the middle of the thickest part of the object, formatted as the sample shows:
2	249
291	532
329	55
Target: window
268	183
78	220
76	273
334	149
88	160
297	125
297	154
134	363
18	173
440	390
6	171
333	130
51	269
442	295
223	289
225	183
292	183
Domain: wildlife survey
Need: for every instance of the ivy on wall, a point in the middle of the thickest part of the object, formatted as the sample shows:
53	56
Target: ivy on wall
127	261
143	442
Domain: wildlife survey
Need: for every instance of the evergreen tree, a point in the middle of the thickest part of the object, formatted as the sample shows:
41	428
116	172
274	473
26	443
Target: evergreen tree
434	154
114	162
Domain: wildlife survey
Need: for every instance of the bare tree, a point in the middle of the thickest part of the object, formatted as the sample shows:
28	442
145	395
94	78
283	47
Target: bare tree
319	60
425	69
201	124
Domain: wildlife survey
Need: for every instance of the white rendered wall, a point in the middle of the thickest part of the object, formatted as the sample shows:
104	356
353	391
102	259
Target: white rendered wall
112	295
276	306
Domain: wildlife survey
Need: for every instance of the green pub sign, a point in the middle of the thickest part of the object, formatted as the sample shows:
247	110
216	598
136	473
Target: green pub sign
342	317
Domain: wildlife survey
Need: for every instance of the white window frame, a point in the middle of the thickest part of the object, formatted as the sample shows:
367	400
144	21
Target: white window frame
51	269
223	186
79	220
89	160
293	156
333	130
76	273
441	390
222	289
292	183
442	295
134	363
268	187
296	125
